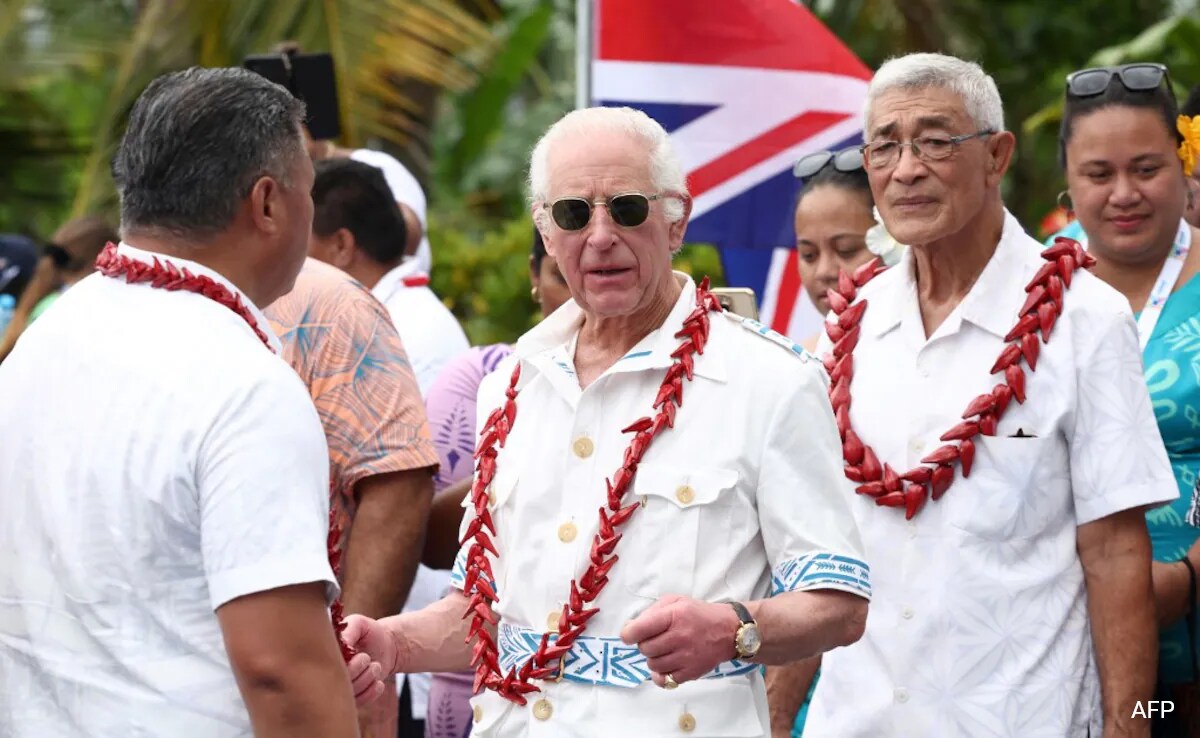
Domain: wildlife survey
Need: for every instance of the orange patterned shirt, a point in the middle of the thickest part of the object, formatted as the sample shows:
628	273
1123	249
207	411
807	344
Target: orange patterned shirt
341	342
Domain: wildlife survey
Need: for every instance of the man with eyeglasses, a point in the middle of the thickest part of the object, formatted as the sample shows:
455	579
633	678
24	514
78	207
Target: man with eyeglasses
621	544
995	421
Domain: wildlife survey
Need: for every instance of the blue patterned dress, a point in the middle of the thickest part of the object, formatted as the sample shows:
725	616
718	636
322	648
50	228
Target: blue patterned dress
1172	366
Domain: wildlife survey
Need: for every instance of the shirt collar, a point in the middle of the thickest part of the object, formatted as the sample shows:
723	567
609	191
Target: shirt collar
991	303
546	345
148	257
393	280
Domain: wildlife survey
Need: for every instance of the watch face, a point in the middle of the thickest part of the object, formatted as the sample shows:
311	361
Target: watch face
748	640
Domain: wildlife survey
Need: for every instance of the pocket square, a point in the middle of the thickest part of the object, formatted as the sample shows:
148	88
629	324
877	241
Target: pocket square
1021	433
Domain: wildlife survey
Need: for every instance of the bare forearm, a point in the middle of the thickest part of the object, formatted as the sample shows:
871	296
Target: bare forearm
1123	623
432	639
799	625
787	686
309	701
445	515
385	542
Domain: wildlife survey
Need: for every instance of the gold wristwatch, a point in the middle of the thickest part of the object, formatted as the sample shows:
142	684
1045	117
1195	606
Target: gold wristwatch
747	640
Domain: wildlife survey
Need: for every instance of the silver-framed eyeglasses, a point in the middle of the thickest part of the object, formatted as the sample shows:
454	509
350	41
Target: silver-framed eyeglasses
628	209
881	154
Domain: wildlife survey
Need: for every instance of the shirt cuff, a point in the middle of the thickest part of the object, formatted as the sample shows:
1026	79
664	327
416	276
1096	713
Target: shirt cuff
1150	494
822	571
261	576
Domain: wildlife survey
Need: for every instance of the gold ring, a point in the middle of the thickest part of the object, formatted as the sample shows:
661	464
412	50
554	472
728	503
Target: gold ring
670	682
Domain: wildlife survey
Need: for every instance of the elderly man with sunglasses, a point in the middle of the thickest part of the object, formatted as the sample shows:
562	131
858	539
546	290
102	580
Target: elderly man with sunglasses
996	423
658	505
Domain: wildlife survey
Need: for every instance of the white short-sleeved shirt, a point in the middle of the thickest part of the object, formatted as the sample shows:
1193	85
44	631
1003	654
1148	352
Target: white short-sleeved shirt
156	462
979	624
430	333
406	189
742	496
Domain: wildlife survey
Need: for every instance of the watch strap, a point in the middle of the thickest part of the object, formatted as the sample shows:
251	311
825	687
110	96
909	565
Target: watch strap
742	613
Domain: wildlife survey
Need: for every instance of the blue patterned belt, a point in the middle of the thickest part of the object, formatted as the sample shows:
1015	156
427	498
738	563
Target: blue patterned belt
607	661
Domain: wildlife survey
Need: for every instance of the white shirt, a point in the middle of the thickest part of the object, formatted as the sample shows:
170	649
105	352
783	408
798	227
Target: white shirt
740	495
429	331
157	461
406	189
979	622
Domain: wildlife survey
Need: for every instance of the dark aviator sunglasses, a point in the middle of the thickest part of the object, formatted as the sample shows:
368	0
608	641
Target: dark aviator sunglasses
628	209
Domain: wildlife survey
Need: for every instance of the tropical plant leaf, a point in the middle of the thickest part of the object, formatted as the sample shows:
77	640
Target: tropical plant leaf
482	112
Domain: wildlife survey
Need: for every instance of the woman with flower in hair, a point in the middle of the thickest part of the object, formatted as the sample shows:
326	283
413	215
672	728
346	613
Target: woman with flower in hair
1122	143
837	229
837	226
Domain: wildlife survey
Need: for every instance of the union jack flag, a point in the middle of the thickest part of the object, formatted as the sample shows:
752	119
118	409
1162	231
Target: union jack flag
745	88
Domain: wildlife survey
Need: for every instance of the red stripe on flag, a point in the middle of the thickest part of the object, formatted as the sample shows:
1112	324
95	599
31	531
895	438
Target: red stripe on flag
761	34
789	292
760	149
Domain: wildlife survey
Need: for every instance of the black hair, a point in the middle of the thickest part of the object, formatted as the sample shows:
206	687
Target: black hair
1159	100
853	181
1191	107
196	143
353	195
538	252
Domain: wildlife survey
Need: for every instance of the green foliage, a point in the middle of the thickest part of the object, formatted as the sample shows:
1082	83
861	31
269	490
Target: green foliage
482	274
1028	46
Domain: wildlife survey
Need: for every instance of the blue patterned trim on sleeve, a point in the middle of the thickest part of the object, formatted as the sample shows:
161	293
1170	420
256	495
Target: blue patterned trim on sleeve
458	575
822	571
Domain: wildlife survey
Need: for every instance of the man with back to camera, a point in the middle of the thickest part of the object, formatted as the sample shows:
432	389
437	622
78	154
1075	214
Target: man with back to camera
165	509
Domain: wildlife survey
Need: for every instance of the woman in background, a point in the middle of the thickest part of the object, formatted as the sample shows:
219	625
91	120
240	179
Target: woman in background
1121	145
836	229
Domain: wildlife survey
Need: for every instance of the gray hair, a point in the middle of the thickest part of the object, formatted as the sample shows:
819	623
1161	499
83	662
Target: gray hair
666	171
919	71
196	143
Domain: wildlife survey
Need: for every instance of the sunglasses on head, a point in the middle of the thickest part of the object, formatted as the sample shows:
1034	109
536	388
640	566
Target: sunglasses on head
1137	77
846	160
628	209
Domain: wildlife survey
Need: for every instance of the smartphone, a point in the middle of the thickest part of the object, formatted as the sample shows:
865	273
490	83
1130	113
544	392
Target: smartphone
738	300
309	77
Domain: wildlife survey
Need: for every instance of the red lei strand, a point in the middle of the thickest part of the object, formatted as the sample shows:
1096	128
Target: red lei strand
166	276
933	476
575	614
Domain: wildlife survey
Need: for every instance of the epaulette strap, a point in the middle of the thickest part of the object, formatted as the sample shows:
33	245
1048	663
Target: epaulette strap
773	336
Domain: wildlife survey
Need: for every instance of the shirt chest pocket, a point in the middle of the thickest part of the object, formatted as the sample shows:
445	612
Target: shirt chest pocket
1016	490
661	544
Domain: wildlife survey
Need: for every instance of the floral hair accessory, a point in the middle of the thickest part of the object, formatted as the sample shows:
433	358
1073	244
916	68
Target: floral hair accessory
1189	150
885	246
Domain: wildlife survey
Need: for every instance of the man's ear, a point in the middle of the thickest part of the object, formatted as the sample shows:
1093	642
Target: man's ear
1002	147
678	229
343	249
266	206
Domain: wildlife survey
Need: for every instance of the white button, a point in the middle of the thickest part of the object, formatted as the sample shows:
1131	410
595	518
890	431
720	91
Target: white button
907	613
916	447
901	695
912	529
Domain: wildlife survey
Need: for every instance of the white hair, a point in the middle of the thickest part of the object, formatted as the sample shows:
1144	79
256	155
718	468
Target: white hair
666	171
919	71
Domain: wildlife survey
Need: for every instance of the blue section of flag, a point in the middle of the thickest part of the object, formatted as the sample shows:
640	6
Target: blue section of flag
671	116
